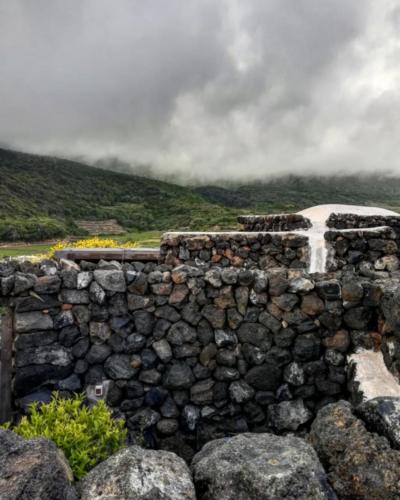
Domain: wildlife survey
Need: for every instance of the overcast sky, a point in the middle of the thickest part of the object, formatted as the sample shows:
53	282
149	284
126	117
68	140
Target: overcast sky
209	89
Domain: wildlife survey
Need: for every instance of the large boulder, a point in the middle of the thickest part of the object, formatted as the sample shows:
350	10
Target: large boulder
138	474
33	470
382	415
360	464
259	467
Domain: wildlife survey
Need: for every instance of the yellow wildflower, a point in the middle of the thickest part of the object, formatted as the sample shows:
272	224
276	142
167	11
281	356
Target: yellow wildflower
90	243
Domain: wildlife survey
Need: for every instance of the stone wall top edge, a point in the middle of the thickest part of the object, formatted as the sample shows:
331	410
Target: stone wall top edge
338	232
44	268
251	234
364	216
270	216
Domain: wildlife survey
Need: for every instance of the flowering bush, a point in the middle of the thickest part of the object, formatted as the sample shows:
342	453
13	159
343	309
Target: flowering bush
91	243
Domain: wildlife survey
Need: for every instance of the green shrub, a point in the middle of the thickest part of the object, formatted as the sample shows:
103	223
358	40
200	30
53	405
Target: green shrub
86	435
31	229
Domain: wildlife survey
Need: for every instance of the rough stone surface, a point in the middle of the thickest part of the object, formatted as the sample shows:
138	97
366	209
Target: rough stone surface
84	279
178	376
138	474
119	366
111	280
99	331
259	467
75	296
52	355
359	464
33	469
265	377
294	374
163	350
240	391
29	321
96	293
382	415
288	415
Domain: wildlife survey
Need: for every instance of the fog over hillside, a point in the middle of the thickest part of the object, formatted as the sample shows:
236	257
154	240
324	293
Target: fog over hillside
204	90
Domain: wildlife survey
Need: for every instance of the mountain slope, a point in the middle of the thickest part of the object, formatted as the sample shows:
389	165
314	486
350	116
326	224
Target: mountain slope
41	197
39	186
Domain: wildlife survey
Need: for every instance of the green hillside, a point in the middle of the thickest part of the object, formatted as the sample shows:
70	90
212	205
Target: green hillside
42	197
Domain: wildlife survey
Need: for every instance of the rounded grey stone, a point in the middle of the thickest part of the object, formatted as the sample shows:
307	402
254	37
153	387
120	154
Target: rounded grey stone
259	467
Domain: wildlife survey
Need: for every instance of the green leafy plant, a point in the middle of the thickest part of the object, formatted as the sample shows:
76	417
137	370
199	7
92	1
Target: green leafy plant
86	435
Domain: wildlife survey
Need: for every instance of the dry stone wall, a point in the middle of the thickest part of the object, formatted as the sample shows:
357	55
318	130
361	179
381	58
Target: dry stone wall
355	221
363	241
254	250
274	222
188	353
365	250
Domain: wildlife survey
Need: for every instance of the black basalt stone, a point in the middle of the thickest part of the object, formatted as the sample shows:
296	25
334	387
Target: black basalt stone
144	322
156	396
80	348
69	335
135	343
134	389
31	377
329	290
178	376
256	334
358	318
98	353
306	347
266	377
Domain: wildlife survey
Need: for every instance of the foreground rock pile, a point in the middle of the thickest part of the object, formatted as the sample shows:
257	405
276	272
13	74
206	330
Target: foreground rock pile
33	469
139	474
256	466
340	458
360	464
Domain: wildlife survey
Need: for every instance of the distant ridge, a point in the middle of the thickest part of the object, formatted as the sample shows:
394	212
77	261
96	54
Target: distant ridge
303	191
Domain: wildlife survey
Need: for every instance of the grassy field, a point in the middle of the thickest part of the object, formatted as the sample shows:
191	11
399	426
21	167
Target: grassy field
16	251
144	239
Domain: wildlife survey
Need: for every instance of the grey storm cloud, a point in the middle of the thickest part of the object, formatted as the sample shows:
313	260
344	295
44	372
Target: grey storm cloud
205	89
